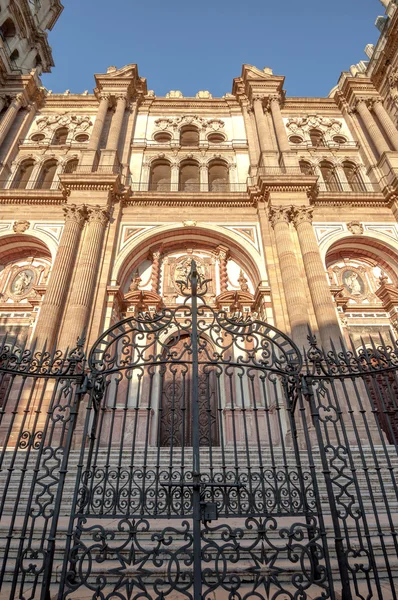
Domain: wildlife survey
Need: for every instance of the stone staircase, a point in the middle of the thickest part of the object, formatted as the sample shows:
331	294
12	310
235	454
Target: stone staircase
379	501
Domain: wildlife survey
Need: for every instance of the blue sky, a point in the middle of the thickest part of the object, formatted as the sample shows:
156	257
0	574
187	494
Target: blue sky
201	46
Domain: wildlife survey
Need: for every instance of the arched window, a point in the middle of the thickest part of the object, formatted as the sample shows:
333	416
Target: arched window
306	168
189	136
7	29
316	138
23	174
60	136
47	174
353	177
71	166
218	176
160	176
189	177
329	176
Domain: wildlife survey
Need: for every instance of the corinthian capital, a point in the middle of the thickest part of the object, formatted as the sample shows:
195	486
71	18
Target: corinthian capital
98	214
75	214
279	214
301	214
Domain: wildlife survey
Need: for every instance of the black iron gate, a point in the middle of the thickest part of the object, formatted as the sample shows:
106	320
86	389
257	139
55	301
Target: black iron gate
206	461
225	506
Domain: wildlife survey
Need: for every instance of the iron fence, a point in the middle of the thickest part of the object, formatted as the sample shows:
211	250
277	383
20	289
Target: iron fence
197	453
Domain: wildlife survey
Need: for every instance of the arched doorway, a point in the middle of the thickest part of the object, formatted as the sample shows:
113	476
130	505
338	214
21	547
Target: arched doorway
176	401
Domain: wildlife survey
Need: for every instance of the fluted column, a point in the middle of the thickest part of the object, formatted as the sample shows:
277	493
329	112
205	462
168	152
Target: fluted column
9	116
372	127
386	123
117	122
260	122
293	287
279	126
47	327
80	303
95	138
155	272
325	311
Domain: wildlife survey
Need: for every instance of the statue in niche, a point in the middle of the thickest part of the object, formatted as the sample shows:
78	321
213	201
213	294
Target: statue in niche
22	282
135	282
353	283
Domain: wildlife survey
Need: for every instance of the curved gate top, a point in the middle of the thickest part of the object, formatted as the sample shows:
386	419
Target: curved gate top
185	486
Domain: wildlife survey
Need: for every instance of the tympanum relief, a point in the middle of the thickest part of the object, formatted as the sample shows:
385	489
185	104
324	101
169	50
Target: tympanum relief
18	280
359	280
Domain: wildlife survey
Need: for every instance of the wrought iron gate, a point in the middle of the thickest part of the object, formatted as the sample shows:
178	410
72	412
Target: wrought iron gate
230	511
206	461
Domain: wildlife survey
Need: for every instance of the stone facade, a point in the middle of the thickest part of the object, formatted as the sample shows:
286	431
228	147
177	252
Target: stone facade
288	205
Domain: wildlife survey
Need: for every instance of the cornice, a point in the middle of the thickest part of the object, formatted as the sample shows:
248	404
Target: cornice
32	198
185	104
71	101
204	200
319	104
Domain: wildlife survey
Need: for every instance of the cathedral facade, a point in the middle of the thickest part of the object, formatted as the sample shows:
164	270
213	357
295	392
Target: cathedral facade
288	205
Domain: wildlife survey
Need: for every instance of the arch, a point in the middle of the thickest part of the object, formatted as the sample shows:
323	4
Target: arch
175	236
71	165
329	176
189	176
305	167
23	174
19	246
353	176
365	247
60	136
160	176
218	176
189	135
8	29
316	137
47	174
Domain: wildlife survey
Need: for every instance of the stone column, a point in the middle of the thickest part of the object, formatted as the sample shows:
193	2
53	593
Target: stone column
281	135
260	122
252	139
80	302
293	287
204	178
117	122
386	123
223	261
9	116
61	273
371	126
155	272
325	311
95	138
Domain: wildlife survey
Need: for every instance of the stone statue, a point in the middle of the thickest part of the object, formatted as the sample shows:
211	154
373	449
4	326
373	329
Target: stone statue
21	283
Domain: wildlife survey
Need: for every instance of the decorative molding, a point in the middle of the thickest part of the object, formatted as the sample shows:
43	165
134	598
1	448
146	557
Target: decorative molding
178	122
324	231
131	231
387	230
247	232
53	230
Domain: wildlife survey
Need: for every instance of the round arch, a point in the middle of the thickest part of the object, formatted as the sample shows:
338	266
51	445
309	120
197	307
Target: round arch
174	236
382	243
365	247
12	244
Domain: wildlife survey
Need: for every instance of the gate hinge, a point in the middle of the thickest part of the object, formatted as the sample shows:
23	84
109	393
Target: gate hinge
86	385
208	512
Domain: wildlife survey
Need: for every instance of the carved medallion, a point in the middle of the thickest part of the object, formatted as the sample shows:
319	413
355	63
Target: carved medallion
22	283
182	270
20	226
355	227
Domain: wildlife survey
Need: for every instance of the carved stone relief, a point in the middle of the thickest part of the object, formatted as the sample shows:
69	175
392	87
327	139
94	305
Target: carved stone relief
20	226
302	125
178	122
75	123
355	227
